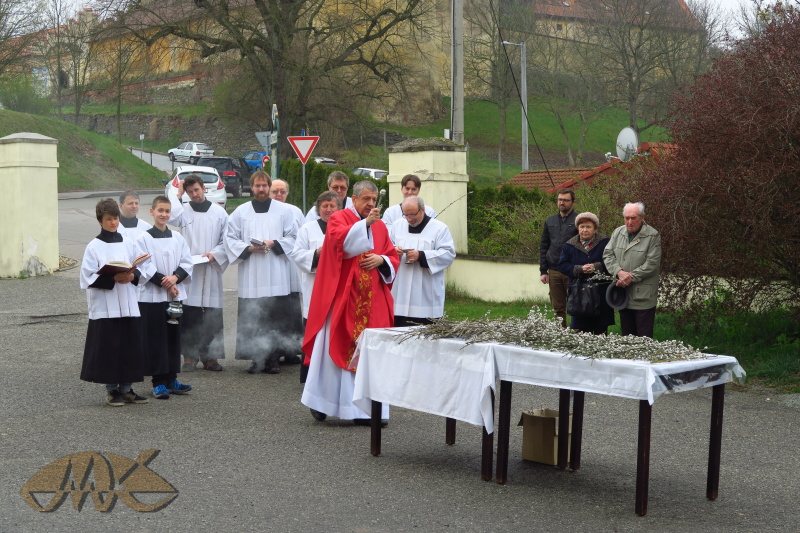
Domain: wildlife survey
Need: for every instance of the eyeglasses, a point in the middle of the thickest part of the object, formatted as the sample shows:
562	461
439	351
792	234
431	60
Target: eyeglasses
342	188
565	201
412	216
279	192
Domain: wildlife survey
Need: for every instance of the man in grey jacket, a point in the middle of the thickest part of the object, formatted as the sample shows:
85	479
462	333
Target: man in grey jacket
633	257
558	229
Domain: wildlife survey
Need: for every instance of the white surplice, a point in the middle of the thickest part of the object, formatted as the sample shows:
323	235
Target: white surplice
204	232
417	291
296	280
133	233
166	255
395	212
329	388
261	275
121	300
309	238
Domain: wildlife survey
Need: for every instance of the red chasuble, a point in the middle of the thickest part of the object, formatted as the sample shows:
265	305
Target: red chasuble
359	299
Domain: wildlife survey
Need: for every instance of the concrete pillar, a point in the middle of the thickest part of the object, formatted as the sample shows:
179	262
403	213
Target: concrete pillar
442	167
29	217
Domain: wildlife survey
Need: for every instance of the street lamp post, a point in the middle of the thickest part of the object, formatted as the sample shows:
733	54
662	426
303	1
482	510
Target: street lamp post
523	62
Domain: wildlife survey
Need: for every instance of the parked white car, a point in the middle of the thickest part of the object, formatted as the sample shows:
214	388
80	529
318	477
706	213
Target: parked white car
215	188
374	173
190	152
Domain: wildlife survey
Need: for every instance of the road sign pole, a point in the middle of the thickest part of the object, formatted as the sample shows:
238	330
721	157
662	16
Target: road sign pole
303	146
305	210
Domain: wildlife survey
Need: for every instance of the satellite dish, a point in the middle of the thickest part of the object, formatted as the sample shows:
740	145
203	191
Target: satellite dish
627	143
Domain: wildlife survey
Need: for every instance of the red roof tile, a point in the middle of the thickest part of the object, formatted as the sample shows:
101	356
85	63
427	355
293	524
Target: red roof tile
568	178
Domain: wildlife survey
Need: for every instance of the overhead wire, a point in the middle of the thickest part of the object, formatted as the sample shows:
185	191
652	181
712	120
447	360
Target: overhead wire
519	92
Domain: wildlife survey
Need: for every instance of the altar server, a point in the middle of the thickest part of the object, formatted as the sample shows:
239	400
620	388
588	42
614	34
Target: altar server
202	225
352	292
129	224
279	191
308	246
428	248
410	185
258	236
338	182
163	275
112	354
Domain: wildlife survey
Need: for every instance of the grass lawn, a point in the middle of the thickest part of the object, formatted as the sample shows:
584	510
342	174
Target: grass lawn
87	161
766	345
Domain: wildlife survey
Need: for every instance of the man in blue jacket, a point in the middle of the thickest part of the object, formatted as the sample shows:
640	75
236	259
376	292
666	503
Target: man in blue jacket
558	229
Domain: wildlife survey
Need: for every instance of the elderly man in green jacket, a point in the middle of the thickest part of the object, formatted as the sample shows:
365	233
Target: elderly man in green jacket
633	257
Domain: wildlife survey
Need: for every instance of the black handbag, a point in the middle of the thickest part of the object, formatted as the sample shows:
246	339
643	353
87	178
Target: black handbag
583	298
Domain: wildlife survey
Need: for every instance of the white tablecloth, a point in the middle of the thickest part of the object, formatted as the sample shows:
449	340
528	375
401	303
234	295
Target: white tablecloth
449	378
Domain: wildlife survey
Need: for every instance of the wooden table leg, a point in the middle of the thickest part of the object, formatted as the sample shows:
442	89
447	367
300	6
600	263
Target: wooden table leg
450	431
503	430
487	451
375	429
577	430
563	428
643	456
715	441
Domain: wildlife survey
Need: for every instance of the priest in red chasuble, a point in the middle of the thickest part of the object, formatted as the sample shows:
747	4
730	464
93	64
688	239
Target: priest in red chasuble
352	292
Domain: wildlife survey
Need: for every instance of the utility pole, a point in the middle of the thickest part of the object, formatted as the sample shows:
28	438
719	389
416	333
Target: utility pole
457	72
523	63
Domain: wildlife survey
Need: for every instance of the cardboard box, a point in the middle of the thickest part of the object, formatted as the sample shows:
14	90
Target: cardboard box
540	435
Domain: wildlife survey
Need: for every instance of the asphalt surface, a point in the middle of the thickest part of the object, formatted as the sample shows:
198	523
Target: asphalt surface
245	455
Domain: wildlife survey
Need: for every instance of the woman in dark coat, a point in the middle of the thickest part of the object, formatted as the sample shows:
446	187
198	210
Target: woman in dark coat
582	256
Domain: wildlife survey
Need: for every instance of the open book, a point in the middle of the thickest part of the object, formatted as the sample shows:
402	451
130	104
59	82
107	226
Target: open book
115	267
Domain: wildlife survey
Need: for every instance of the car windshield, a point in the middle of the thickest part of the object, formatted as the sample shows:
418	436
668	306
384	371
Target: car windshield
208	177
219	164
203	147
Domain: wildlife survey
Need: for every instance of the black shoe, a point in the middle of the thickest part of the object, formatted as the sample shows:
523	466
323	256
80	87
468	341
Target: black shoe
115	399
318	416
368	422
212	365
132	397
255	368
291	360
272	367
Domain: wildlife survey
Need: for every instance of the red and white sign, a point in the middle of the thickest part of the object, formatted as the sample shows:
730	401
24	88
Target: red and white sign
264	160
303	146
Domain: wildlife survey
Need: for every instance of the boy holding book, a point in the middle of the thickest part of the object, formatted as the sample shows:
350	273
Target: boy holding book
162	276
112	354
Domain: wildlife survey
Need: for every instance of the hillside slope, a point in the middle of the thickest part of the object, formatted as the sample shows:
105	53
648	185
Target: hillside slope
87	161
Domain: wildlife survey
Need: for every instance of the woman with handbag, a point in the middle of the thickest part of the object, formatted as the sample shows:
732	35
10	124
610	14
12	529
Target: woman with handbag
581	258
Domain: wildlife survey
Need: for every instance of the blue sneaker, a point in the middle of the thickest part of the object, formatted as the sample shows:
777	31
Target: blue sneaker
176	387
161	392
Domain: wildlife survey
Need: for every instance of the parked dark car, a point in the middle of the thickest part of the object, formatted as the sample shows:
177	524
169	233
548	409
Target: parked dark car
234	172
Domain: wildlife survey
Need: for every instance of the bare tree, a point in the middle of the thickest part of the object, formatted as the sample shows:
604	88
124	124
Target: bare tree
122	58
288	46
632	41
51	46
487	68
78	40
568	84
20	20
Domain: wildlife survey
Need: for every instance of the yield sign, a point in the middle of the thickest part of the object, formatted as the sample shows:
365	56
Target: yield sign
303	146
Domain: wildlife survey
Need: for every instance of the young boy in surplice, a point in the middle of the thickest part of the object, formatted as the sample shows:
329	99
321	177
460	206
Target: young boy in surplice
169	266
112	354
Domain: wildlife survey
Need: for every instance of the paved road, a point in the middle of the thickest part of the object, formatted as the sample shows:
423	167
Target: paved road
245	455
157	160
